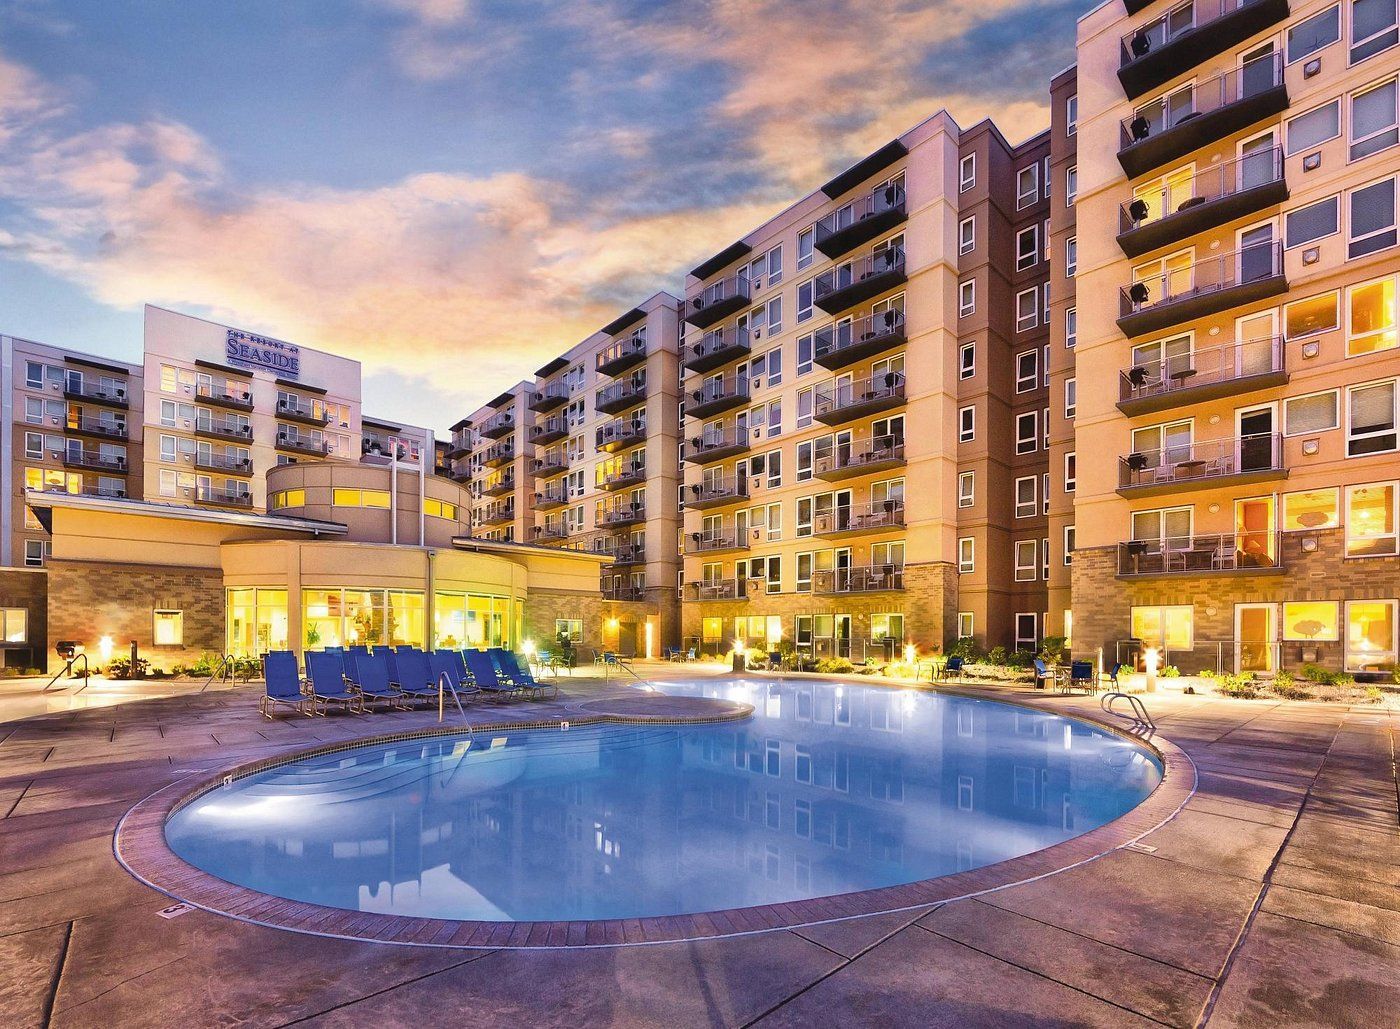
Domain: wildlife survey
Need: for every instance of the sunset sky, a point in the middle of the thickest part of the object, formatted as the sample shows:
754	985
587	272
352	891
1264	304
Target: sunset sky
452	191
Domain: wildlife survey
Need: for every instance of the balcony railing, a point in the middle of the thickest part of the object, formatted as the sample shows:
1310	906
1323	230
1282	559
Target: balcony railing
623	591
95	460
716	492
846	342
1196	115
861	457
301	442
879	516
621	478
97	427
498	515
1198	464
499	486
556	394
222	429
718	300
624	354
856	281
231	395
717	395
302	411
551	462
715	446
716	348
551	430
223	463
1208	198
717	589
551	533
718	542
872	579
621	396
500	424
860	221
499	454
223	497
845	401
1184	293
626	514
1189	35
1227	370
551	497
620	434
112	396
1255	553
619	547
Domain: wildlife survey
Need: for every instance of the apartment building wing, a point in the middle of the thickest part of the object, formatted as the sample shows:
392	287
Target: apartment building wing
496	456
1237	345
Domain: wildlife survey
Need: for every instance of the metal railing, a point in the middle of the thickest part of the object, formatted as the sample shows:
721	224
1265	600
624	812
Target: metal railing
556	426
555	392
626	475
626	514
831	340
1167	28
734	341
499	452
302	441
717	589
221	392
552	496
224	427
726	387
1204	367
621	392
551	462
719	488
861	452
728	288
834	397
95	391
886	514
228	497
498	424
622	350
698	448
302	409
615	591
551	531
1252	263
881	200
1200	554
709	542
864	579
1203	186
850	273
99	427
224	463
621	431
1200	461
94	459
1189	102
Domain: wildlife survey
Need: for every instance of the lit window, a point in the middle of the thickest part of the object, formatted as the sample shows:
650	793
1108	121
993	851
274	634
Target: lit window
1311	622
169	629
1166	628
965	624
1370	635
1310	509
1370	520
14	625
1311	316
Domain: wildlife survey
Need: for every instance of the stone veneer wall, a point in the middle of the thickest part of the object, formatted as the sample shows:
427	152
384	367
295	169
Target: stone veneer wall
1102	601
26	588
90	599
542	607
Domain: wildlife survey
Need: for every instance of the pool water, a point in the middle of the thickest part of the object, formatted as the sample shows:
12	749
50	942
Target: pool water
829	788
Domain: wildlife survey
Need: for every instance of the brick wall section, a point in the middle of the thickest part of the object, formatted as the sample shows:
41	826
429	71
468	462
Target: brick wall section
542	607
1103	601
932	619
26	588
89	600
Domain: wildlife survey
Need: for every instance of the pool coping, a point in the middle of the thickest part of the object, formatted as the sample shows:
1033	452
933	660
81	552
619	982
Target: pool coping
140	846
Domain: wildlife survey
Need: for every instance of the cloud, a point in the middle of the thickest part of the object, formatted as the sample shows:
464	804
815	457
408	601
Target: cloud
24	99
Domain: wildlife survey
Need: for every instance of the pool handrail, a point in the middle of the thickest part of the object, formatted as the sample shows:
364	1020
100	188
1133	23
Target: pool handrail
450	664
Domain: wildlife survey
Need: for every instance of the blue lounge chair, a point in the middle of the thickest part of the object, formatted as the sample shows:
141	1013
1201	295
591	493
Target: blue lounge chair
327	674
410	672
525	678
283	683
370	675
449	663
501	660
483	671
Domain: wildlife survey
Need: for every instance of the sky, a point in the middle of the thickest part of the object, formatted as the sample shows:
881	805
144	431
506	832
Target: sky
451	191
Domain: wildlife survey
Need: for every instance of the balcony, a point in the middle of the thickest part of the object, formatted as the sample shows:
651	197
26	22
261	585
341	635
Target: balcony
619	434
1189	35
550	463
1186	292
856	281
211	429
97	427
627	476
1202	465
621	396
872	579
230	396
94	460
1206	200
556	394
623	591
499	454
836	346
718	395
498	515
717	589
548	498
715	446
1193	117
500	424
93	393
861	457
717	348
721	541
716	492
622	355
498	486
223	464
838	402
623	516
1246	553
1229	370
212	497
551	430
550	533
460	447
302	411
301	443
860	221
881	516
719	300
618	547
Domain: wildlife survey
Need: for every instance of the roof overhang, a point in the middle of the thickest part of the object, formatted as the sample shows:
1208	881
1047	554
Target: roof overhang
500	547
728	255
44	504
865	168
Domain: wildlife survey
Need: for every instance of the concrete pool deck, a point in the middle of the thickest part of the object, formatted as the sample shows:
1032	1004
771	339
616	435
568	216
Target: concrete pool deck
1272	897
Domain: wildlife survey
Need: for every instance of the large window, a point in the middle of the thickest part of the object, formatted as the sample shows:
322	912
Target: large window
1316	412
1311	316
168	629
1371	317
471	620
1373	28
1371	419
1310	509
1370	520
256	621
1371	218
1311	223
1310	36
1311	621
349	617
1314	128
14	625
1370	635
1166	628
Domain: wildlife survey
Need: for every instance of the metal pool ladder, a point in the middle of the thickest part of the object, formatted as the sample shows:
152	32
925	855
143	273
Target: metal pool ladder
1138	716
445	686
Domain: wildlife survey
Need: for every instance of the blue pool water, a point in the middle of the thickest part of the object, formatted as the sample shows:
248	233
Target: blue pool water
829	788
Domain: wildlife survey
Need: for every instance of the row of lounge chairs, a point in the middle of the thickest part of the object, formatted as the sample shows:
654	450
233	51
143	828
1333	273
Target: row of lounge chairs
393	678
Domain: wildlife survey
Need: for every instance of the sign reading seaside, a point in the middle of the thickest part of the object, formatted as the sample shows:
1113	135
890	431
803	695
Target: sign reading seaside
243	348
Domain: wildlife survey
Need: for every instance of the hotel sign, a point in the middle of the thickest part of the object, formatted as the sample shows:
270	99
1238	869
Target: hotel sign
250	351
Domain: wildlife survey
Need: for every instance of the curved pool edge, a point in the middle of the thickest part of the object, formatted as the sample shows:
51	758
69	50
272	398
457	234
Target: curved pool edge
139	845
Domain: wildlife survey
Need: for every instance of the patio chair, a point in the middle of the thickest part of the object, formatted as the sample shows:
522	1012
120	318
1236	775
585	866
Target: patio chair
1044	677
504	662
449	664
357	650
1081	676
410	672
326	671
483	672
952	668
283	684
370	675
523	677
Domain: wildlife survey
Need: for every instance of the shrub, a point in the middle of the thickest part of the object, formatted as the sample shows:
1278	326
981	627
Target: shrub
997	655
1374	694
122	668
901	670
835	666
1285	686
9	672
1242	687
1318	674
1052	648
1019	659
966	648
1169	672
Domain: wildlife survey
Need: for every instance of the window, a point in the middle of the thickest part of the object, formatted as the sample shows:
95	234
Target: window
1071	185
1027	371
1371	211
1025	497
1371	317
1370	520
1314	128
1314	222
1166	628
805	247
1071	114
169	629
1373	28
14	625
1373	120
804	354
1311	622
967	360
966	554
1316	412
804	301
967	235
1027	248
805	399
966	488
1370	635
1027	433
1071	398
1026	551
1371	419
1310	509
1069	544
967	173
1308	37
1070	475
965	624
287	498
967	424
967	298
378	498
1071	257
1027	186
1311	316
35	551
1027	309
440	509
1071	327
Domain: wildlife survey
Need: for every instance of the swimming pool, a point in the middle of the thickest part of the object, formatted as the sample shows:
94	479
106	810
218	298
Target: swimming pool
829	788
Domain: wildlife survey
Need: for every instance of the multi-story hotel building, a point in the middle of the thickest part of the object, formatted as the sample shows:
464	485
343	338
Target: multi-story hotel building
493	455
1237	364
864	408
